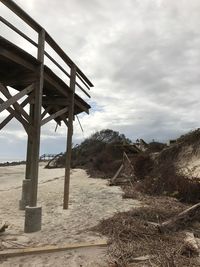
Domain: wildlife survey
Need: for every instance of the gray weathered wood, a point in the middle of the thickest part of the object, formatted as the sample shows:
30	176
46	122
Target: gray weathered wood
83	90
60	101
11	116
46	111
53	116
16	97
32	23
37	121
19	60
18	31
29	145
65	58
22	14
69	138
18	116
82	80
51	249
16	105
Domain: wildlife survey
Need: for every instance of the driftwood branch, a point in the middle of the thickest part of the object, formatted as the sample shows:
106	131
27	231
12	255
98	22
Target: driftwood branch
121	168
183	218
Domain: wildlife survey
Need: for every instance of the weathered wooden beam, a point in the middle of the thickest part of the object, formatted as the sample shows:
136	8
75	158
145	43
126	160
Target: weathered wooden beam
50	249
45	112
18	59
9	118
83	90
29	144
22	14
65	58
55	84
33	43
63	117
83	81
32	23
61	101
16	105
54	116
7	23
69	137
82	107
65	122
16	78
37	121
57	64
12	100
18	116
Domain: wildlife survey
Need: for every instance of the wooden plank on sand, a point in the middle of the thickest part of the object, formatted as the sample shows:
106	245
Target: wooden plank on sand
49	249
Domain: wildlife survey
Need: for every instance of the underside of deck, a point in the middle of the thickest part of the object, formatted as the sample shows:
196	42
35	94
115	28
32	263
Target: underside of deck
18	69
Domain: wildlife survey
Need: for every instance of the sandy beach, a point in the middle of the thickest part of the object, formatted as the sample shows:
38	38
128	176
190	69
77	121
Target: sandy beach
91	200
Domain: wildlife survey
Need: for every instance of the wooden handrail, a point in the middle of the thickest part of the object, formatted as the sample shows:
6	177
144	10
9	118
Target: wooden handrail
37	27
46	54
65	58
22	14
7	23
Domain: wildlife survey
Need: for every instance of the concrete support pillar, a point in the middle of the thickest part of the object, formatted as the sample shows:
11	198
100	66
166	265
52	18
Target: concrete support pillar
33	219
24	201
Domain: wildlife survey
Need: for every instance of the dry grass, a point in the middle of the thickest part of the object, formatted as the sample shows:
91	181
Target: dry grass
132	236
162	177
166	180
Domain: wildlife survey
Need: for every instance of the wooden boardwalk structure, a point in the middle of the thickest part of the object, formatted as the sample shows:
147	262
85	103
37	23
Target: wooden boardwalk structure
47	96
47	157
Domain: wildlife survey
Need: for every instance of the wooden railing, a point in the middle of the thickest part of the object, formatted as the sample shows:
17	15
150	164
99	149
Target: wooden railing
85	82
49	156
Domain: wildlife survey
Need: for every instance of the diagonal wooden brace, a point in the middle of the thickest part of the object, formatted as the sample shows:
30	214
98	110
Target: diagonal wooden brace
18	116
9	118
16	97
63	118
16	105
45	112
53	116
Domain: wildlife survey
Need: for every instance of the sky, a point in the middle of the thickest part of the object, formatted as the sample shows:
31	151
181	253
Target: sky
143	57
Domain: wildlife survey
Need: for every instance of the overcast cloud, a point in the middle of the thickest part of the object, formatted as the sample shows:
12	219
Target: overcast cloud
142	56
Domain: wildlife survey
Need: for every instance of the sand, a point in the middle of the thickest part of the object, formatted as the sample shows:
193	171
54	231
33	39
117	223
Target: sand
91	200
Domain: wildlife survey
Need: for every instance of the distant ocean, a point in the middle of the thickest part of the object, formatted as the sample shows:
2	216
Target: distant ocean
5	159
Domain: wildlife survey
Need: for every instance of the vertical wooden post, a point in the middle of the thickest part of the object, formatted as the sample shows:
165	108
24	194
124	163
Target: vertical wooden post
37	120
26	183
29	145
69	137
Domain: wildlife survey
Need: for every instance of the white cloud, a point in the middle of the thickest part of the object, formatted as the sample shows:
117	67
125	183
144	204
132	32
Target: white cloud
142	56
